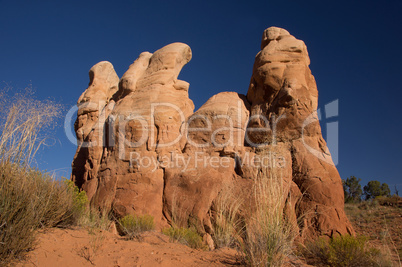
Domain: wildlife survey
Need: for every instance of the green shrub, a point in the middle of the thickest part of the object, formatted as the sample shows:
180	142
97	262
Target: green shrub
375	189
80	201
186	236
344	250
132	226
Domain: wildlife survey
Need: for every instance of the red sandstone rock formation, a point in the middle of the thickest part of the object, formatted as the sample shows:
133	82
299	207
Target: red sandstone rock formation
283	96
141	149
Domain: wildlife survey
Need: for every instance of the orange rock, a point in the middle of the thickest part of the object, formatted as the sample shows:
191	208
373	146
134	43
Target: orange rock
156	156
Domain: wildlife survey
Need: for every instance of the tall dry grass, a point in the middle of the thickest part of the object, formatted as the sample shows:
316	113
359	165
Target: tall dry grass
29	198
268	235
182	229
227	219
132	226
260	228
24	123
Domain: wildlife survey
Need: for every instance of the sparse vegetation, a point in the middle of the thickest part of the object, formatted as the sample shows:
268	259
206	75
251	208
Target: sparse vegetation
379	220
87	254
94	219
96	241
394	201
29	198
268	236
226	221
186	236
344	250
80	202
182	230
132	226
24	122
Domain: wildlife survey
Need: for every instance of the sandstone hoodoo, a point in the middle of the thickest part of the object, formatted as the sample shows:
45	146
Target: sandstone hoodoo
143	150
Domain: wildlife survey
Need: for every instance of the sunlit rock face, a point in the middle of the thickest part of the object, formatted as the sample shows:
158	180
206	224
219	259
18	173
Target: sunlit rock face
283	97
143	150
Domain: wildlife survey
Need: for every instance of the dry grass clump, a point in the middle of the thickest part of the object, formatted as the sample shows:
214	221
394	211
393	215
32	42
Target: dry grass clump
182	229
24	123
227	221
186	236
94	219
344	251
131	226
268	236
260	229
29	199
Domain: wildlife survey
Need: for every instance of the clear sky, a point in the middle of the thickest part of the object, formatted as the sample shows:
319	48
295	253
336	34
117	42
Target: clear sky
354	46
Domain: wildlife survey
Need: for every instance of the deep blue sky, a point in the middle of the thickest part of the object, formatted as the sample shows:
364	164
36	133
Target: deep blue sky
355	50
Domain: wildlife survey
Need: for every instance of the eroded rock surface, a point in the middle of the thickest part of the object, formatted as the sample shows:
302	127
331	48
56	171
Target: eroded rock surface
283	97
155	155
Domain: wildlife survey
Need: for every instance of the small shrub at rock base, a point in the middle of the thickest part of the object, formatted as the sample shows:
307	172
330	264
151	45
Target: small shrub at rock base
344	250
79	198
132	226
186	236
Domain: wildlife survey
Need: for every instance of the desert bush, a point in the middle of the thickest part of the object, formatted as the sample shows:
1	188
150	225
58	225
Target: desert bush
268	237
186	236
344	250
393	201
30	200
226	221
80	207
132	226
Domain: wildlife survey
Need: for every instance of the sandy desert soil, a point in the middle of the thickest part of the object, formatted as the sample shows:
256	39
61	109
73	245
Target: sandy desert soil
80	247
83	247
